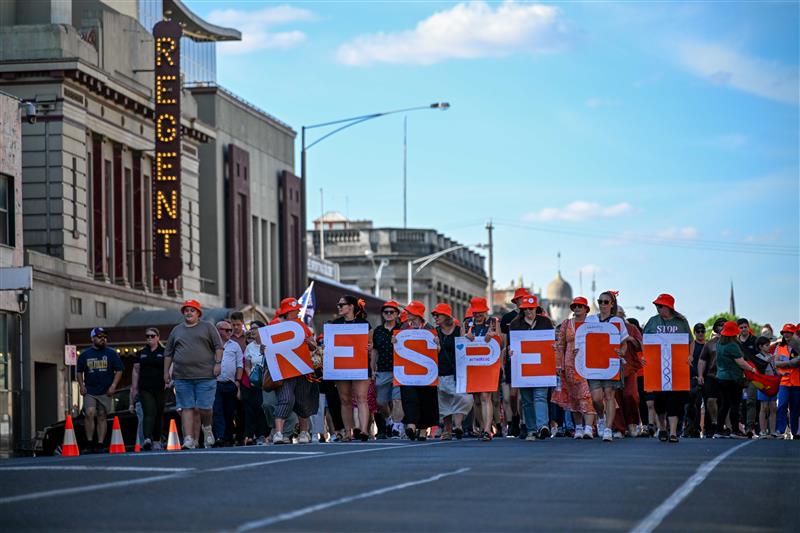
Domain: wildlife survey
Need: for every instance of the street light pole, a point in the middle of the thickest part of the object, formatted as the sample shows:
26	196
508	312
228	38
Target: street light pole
405	171
490	247
427	260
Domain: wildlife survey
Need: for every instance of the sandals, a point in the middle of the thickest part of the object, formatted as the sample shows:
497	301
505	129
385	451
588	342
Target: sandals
673	438
459	433
486	437
411	434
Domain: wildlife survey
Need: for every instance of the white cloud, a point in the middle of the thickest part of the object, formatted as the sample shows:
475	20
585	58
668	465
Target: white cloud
465	31
257	28
687	232
725	66
577	211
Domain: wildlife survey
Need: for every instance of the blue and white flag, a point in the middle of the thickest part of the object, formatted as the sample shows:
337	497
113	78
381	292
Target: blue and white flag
309	303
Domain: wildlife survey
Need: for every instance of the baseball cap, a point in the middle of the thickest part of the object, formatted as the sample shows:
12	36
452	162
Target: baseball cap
97	331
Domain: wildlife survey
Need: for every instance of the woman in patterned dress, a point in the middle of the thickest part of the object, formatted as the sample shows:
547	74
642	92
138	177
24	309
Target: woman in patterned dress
574	391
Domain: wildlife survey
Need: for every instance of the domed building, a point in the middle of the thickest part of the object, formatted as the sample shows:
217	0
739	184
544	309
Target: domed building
558	296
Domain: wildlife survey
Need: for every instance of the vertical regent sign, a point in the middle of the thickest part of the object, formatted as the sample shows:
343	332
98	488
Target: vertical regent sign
167	262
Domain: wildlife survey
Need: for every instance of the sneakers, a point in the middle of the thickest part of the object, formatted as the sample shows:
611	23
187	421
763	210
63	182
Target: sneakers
636	432
531	437
663	436
189	443
277	438
588	432
618	435
303	438
261	441
578	432
147	445
608	435
208	436
544	433
601	426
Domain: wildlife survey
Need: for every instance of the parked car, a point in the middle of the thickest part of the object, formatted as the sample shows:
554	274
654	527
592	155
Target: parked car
53	436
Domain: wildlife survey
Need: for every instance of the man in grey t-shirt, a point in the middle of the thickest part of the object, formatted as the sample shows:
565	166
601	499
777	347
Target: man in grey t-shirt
195	349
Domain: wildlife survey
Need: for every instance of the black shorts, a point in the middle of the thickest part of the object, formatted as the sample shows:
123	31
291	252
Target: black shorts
673	403
711	388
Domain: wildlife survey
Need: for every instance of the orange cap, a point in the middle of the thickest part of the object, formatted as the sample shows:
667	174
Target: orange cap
390	303
666	300
579	300
287	306
443	309
519	293
529	302
789	328
193	304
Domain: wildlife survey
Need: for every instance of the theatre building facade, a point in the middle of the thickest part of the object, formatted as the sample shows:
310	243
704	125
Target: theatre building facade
93	210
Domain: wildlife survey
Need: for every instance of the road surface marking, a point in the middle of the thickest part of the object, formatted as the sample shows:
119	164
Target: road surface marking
88	488
655	518
286	460
101	468
264	522
220	452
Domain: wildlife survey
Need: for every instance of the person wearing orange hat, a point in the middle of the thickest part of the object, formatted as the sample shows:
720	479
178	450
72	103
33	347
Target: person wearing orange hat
194	351
511	394
535	407
480	325
420	403
787	360
453	406
730	373
707	378
574	393
604	391
669	405
299	394
352	310
390	408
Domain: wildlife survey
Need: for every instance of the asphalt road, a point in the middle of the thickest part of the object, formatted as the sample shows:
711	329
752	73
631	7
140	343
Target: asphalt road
504	485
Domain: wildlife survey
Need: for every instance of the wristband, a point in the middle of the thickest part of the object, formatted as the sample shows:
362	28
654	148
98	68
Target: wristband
217	362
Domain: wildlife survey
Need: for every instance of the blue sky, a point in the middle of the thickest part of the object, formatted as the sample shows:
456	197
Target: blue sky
654	144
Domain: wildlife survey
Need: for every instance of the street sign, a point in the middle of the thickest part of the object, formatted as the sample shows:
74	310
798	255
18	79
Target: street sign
16	278
70	355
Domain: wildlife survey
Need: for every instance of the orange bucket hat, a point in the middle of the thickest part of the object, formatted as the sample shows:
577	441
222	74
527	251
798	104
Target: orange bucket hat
519	293
789	328
287	306
194	304
443	309
530	301
730	329
416	308
666	300
478	305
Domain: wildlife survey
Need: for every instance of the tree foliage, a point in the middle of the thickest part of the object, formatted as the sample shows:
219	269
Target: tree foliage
754	326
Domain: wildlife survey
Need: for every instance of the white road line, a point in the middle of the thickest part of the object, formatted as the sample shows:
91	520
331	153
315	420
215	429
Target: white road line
270	520
219	452
100	468
88	488
288	459
654	519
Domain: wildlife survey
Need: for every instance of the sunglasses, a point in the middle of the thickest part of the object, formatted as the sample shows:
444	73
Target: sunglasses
151	336
604	302
389	312
342	304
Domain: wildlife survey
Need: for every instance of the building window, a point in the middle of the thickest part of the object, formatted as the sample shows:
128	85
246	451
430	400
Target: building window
100	309
6	210
76	306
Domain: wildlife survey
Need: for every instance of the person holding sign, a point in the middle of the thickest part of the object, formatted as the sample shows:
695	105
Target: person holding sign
479	325
453	406
352	310
574	393
299	394
420	402
670	404
535	409
390	410
604	390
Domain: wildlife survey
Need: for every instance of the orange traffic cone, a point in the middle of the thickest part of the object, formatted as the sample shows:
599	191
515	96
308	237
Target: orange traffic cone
117	444
174	443
70	446
138	447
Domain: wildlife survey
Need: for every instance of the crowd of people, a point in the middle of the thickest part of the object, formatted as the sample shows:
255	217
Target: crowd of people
742	385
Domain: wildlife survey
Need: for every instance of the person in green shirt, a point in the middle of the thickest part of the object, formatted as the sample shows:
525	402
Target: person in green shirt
669	405
730	375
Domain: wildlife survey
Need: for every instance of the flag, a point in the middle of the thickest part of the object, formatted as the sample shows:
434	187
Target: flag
309	304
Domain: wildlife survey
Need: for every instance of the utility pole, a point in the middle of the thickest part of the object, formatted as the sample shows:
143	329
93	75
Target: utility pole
405	170
490	284
321	225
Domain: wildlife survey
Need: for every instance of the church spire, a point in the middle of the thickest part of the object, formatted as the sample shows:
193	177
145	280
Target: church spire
732	305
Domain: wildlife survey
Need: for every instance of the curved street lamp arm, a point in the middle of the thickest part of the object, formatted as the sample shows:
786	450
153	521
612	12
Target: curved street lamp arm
337	130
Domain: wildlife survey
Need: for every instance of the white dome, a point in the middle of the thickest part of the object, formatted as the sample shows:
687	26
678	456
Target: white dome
559	290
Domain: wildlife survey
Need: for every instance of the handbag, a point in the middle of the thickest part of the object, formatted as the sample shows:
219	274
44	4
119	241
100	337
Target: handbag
268	384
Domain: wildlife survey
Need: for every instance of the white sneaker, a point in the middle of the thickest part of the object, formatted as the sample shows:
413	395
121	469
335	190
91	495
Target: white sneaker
601	426
588	432
315	438
578	432
277	438
303	438
208	436
608	435
261	441
189	443
618	435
